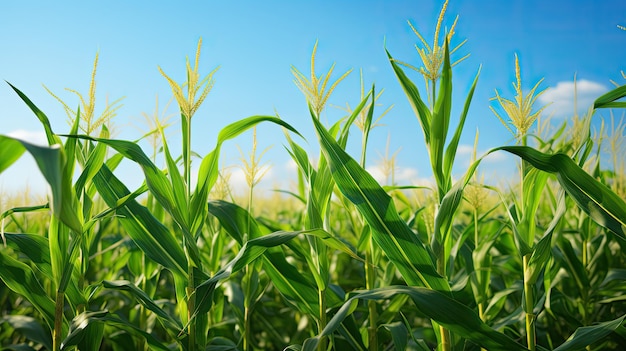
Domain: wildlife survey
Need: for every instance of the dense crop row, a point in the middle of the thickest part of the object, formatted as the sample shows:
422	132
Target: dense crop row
347	264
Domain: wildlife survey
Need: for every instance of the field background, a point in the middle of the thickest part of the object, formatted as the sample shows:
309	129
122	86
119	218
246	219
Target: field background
409	196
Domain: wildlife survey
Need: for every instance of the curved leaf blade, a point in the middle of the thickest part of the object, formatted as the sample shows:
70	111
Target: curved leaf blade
585	336
446	311
21	279
593	197
609	100
389	231
154	239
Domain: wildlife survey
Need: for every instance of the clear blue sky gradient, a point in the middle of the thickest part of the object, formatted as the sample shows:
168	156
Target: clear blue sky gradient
255	43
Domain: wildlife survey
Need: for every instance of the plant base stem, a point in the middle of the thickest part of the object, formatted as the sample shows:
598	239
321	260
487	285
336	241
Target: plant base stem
58	321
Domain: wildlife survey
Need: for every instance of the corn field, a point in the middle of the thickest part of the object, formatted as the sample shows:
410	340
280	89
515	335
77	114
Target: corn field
339	263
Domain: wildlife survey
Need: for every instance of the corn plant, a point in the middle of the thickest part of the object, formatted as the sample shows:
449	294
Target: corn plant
341	262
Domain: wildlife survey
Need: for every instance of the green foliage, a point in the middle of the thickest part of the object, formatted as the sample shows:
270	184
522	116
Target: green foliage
342	262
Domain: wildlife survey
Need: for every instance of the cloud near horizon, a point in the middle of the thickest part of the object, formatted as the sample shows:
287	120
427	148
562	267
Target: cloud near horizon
561	97
33	137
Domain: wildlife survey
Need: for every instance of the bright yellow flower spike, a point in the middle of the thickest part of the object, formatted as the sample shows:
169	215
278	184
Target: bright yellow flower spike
432	57
519	111
189	104
315	89
89	123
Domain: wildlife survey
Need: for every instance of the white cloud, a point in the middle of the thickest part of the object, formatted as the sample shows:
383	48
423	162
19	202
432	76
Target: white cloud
33	137
561	97
464	154
402	176
377	173
464	149
498	156
291	166
239	185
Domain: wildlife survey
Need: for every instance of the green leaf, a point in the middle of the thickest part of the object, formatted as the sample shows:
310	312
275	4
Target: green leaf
353	116
81	322
609	100
439	124
30	328
154	239
52	138
596	199
50	162
454	143
445	215
35	247
235	220
157	182
389	231
253	249
20	278
439	307
295	286
419	107
399	335
10	151
209	168
585	336
93	164
534	183
542	251
172	325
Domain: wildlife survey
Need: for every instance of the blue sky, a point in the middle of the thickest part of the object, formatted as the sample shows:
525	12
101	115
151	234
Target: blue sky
255	43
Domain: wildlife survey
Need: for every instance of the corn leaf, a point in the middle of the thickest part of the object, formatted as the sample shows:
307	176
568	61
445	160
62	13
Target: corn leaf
389	231
156	180
449	204
30	328
52	138
79	329
419	107
585	336
439	124
10	151
154	239
35	247
170	324
439	307
297	287
596	199
235	220
542	251
93	164
50	163
253	249
208	172
534	183
21	279
609	100
451	149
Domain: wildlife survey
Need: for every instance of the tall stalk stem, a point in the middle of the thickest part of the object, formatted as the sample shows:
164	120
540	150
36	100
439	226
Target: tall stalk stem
322	321
191	306
529	304
478	267
247	314
370	283
370	273
529	298
444	333
187	153
58	321
432	106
